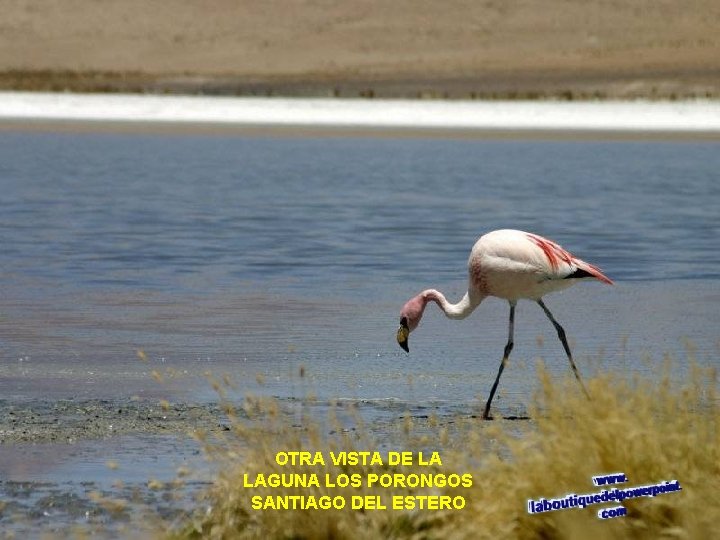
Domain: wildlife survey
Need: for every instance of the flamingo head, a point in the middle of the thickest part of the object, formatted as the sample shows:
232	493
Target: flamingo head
410	316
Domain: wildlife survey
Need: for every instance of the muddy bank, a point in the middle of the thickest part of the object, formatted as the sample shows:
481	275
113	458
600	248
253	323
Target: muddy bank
69	421
125	468
110	469
131	469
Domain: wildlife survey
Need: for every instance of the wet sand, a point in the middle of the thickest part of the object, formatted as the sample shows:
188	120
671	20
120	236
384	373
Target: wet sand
76	420
250	130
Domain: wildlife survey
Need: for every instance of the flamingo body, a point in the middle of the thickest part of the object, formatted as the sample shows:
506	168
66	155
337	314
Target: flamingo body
512	265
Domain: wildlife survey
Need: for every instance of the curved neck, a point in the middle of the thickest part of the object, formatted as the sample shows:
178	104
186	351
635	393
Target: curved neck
462	309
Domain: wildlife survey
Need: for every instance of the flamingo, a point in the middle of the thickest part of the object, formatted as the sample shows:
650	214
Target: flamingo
511	265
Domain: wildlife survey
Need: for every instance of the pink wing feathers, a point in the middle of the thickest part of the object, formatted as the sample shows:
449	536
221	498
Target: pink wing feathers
556	255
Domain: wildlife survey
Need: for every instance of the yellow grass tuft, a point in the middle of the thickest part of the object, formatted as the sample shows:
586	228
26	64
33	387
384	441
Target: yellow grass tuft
651	431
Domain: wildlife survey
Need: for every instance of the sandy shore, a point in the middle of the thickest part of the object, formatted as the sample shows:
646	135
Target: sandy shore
488	49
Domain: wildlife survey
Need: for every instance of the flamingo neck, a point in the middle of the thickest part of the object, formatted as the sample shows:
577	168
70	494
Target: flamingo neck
462	309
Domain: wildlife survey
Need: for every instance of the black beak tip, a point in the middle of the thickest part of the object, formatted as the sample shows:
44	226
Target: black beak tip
402	334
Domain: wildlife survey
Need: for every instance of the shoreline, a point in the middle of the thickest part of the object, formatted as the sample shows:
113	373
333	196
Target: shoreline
150	471
314	131
490	85
68	421
696	120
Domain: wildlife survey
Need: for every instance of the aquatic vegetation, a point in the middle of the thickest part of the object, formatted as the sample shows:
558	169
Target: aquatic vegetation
652	431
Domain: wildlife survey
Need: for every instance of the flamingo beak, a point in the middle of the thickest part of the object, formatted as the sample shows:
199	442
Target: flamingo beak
402	335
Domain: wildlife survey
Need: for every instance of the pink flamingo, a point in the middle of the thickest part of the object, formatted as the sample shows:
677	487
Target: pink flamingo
512	265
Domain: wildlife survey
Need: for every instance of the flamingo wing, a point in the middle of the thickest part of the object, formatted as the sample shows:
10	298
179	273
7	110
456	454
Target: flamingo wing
563	264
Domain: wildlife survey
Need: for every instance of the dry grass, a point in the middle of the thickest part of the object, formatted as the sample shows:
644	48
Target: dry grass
651	431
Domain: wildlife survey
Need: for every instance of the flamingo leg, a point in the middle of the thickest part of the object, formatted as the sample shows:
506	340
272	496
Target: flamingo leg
563	339
506	355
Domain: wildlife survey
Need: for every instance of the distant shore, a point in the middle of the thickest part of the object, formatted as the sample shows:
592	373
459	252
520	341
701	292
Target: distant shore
521	85
405	49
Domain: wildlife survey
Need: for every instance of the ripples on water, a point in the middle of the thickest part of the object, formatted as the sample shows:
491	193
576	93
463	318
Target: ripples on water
261	254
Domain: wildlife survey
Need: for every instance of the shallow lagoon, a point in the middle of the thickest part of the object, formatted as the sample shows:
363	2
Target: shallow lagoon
259	256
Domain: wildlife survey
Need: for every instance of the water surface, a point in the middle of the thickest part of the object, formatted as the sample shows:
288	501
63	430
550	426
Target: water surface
254	256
